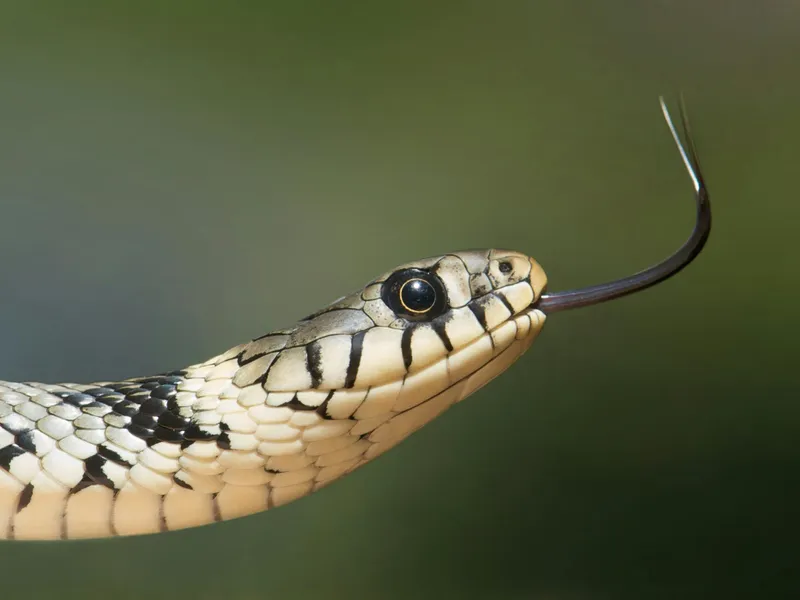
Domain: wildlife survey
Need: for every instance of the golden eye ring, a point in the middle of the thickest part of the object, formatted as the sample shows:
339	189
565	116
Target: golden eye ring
417	296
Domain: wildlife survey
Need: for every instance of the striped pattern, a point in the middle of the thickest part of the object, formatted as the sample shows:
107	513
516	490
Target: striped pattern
266	422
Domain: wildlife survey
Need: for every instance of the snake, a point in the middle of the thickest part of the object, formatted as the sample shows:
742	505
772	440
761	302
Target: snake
286	414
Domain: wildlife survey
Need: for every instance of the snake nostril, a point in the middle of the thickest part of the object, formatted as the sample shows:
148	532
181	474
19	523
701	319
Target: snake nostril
505	267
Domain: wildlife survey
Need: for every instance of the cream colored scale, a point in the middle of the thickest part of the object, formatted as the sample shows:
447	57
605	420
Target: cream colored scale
275	419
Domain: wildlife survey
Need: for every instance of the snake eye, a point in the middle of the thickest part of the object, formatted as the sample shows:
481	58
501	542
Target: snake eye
415	294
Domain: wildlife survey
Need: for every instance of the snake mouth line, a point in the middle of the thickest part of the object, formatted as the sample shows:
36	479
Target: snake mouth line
531	307
494	336
536	301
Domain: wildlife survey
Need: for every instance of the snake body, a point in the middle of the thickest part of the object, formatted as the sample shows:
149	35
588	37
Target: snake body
268	421
272	420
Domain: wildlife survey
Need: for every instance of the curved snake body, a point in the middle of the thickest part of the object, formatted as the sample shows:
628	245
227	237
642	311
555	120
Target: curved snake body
275	419
264	423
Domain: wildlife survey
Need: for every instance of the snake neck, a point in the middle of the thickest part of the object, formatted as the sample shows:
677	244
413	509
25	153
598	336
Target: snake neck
212	442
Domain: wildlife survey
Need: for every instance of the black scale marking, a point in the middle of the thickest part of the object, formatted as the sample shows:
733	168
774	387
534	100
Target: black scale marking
314	363
8	454
149	411
25	497
506	303
25	441
16	424
182	483
295	404
439	326
405	346
224	440
94	471
478	310
322	410
153	413
19	427
107	453
146	407
355	359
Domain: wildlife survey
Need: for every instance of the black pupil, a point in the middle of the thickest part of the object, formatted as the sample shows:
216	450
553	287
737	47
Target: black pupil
417	295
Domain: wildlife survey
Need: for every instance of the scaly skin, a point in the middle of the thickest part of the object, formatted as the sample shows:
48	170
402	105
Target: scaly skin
266	422
270	421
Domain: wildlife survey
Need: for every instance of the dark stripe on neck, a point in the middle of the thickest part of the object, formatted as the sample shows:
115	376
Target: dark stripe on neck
355	359
439	327
405	346
314	363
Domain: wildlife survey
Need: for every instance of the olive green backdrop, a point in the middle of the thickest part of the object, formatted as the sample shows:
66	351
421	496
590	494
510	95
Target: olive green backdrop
178	177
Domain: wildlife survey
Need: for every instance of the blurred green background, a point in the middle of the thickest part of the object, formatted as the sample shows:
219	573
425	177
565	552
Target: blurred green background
178	177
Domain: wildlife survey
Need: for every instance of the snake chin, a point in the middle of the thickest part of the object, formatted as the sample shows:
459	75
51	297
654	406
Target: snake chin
508	341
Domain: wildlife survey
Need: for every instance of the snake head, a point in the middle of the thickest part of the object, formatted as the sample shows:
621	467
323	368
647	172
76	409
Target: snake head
352	380
387	359
456	311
